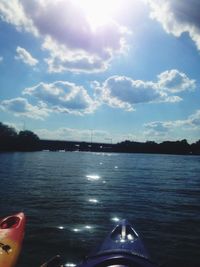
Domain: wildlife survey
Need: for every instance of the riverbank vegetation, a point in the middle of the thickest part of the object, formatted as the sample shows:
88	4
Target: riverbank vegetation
11	140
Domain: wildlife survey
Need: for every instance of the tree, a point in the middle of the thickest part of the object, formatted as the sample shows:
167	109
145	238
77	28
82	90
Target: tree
7	132
8	137
28	141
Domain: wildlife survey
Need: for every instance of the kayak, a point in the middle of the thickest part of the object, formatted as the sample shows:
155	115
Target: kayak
122	247
11	237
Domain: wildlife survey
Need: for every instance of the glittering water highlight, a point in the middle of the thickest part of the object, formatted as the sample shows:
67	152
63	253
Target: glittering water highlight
72	202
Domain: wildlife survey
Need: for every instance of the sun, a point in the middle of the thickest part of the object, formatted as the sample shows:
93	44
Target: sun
99	12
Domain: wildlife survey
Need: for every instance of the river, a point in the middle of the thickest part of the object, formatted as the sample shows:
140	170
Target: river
73	199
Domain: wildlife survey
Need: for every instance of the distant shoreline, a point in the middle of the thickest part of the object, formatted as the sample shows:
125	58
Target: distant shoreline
26	140
167	147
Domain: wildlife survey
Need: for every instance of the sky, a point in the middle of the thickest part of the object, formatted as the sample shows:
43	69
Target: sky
106	70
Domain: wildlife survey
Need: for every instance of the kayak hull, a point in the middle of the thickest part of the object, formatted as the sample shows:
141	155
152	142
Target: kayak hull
122	247
11	237
117	260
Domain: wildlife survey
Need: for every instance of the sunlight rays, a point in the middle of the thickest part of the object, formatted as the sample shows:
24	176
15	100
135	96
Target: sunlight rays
99	12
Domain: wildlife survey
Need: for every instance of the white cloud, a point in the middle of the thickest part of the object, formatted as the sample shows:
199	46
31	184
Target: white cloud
78	47
62	59
124	92
158	126
1	59
12	12
63	96
117	91
72	41
21	107
25	56
162	130
194	119
178	17
73	134
175	81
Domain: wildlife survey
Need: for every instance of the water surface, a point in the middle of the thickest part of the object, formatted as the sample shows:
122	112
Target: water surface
72	200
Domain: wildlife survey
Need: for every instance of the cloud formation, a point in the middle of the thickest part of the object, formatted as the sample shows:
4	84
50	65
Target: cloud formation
124	92
73	134
72	42
174	81
62	59
13	13
192	121
21	107
116	91
168	129
64	97
25	56
1	59
178	17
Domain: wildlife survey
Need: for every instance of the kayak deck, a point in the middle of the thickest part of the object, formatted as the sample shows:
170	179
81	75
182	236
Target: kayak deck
125	239
122	247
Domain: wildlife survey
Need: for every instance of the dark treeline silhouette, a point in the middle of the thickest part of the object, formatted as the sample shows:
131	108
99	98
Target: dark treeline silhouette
10	140
167	147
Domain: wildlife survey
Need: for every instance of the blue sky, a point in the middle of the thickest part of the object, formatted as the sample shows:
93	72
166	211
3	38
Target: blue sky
111	68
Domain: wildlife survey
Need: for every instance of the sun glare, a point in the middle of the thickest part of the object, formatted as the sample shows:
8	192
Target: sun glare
99	12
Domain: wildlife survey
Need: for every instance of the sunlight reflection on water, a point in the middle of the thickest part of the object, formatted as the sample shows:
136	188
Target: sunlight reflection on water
115	219
61	227
88	227
82	228
93	177
93	200
76	230
70	264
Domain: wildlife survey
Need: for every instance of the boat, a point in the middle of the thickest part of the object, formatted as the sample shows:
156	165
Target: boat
123	247
11	237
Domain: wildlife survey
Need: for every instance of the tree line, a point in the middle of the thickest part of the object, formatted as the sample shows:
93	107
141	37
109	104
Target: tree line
167	147
26	140
10	140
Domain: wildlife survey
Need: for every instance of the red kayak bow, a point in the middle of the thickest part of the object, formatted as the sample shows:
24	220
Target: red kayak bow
11	237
